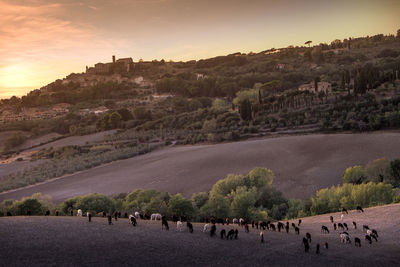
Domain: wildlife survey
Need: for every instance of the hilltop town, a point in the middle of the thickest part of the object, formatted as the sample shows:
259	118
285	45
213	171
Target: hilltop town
350	84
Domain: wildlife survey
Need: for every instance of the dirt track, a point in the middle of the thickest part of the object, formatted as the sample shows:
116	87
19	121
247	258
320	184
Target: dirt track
72	241
302	164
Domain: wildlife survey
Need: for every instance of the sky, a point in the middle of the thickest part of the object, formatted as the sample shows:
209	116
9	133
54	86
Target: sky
43	40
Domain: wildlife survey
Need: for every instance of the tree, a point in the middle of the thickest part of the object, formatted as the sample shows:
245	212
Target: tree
245	110
316	81
378	170
115	119
217	206
395	172
308	43
95	203
243	202
398	33
180	206
141	114
295	206
354	175
30	204
125	114
200	199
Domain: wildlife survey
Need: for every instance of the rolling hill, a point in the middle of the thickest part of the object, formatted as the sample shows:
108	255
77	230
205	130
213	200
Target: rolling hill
302	164
72	241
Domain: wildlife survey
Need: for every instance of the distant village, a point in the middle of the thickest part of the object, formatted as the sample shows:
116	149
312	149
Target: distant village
111	71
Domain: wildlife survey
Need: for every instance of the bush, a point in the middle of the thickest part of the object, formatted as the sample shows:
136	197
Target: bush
95	203
30	204
350	196
180	206
354	175
200	199
295	207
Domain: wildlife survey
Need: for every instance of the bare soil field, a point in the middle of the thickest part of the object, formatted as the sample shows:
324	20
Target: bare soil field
302	164
73	241
75	140
39	140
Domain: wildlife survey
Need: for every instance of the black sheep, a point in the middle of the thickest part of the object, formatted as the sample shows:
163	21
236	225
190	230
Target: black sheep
164	223
47	213
345	225
299	222
344	210
223	233
326	245
133	220
331	218
308	236
280	226
262	237
355	225
272	227
317	251
189	226
90	217
368	238
360	209
324	229
297	230
236	233
230	234
334	226
213	230
357	242
375	232
306	245
109	218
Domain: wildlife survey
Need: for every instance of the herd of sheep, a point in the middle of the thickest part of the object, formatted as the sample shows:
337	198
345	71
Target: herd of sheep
210	226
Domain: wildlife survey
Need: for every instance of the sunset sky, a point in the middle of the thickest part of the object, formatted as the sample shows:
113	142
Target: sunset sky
43	40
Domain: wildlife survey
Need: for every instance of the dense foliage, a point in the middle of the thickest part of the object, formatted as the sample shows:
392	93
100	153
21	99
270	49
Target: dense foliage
250	196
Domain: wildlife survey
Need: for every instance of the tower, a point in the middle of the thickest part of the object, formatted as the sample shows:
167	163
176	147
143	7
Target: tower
113	59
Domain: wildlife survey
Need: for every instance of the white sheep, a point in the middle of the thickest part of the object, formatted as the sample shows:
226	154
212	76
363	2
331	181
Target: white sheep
234	220
179	225
342	217
137	214
79	213
205	228
344	238
155	216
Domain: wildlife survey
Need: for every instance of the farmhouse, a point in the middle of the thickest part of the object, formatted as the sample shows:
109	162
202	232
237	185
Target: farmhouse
322	86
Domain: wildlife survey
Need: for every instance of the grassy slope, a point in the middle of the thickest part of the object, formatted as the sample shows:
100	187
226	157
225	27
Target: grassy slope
302	164
32	241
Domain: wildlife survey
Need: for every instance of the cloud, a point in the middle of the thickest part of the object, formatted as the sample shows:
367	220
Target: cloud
36	34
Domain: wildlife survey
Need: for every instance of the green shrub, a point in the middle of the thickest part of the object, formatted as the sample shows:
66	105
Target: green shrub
350	196
180	206
95	203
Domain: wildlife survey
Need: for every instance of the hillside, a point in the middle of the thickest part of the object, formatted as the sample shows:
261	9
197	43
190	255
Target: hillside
302	164
61	241
350	84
